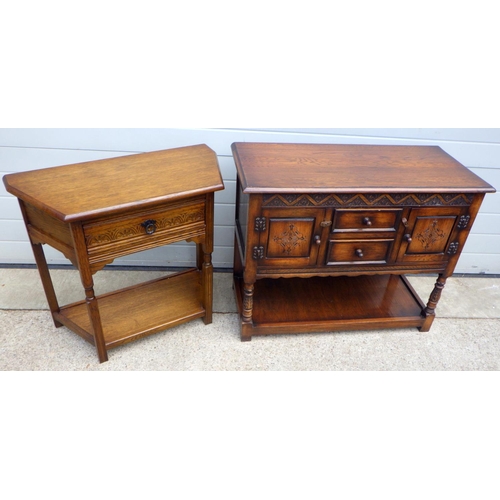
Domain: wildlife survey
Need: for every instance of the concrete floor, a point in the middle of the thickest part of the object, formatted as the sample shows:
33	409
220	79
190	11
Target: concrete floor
464	336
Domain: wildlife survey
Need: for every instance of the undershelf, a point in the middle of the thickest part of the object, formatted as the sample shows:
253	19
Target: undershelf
140	310
319	304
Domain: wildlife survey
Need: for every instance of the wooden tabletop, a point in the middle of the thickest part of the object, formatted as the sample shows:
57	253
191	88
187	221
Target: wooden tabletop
85	190
334	168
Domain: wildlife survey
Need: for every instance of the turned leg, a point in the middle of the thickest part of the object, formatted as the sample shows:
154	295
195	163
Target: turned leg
47	284
88	285
207	272
246	326
95	319
429	311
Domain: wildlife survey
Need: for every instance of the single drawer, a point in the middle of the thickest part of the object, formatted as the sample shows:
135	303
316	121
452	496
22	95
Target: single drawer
358	251
113	237
366	220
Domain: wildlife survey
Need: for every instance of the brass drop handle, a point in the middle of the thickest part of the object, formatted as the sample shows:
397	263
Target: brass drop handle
149	226
359	252
367	221
407	237
317	240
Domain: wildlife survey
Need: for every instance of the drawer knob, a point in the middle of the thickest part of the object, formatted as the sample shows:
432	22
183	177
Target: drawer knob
359	252
149	226
367	221
408	238
317	240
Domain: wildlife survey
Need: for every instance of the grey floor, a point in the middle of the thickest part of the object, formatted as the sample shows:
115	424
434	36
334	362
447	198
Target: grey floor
464	336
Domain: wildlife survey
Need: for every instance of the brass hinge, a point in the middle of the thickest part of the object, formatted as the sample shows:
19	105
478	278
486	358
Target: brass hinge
260	224
258	253
326	223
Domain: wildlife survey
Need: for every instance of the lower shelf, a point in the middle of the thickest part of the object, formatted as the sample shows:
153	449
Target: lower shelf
301	305
140	310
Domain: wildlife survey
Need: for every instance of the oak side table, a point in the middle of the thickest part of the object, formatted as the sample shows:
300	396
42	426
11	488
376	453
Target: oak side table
95	212
325	234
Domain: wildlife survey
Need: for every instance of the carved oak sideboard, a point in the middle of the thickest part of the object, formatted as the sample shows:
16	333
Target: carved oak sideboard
325	234
97	211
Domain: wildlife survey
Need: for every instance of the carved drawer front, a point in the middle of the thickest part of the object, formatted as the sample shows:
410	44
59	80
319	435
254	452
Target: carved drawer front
359	251
431	234
366	220
126	234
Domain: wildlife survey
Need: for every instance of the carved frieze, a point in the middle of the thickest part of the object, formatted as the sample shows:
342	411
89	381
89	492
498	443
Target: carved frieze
367	200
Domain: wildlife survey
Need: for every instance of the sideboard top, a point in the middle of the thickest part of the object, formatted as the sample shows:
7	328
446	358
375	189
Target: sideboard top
339	168
84	190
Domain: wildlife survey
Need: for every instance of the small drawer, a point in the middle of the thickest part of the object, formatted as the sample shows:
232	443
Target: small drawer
366	220
139	231
358	251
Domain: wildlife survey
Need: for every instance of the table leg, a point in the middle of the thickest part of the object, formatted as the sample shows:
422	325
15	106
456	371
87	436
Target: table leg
48	286
88	285
246	325
205	264
430	311
95	319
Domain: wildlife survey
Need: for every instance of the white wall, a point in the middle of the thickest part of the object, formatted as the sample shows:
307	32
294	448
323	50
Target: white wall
27	149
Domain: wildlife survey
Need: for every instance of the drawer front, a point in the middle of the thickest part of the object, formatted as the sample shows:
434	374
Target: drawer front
366	220
127	234
358	251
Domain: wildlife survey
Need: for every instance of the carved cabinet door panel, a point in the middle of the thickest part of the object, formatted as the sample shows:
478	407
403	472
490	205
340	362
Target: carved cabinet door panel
290	238
430	234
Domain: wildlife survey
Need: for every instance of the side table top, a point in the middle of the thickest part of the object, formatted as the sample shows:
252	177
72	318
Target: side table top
340	168
85	190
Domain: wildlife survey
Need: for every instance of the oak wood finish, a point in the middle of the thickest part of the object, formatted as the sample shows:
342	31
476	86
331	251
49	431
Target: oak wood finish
97	211
290	305
157	303
352	220
339	168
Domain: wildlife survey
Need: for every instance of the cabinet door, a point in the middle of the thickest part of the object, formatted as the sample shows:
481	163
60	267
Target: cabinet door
290	237
429	235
